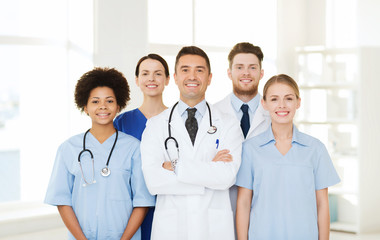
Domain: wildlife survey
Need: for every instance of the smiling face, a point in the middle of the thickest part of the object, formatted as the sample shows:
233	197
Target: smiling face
102	106
245	73
152	79
192	77
281	102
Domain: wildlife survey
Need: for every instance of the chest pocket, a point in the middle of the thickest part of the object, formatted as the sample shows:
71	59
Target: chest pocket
210	145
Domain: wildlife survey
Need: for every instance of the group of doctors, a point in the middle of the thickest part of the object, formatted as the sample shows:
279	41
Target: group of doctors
202	166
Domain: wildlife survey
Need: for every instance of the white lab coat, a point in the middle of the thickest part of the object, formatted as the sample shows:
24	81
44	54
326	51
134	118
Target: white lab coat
259	123
194	202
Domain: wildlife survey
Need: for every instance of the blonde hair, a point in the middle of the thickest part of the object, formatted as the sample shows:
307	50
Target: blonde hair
281	78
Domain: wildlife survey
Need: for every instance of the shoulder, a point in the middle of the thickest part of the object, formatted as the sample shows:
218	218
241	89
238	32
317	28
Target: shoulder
310	141
224	105
127	139
162	117
126	115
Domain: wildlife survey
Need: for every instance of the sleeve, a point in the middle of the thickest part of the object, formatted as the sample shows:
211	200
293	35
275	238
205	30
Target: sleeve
245	177
324	171
215	175
159	180
140	193
61	183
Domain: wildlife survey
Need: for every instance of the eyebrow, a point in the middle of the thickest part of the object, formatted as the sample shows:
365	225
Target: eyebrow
287	95
187	66
241	64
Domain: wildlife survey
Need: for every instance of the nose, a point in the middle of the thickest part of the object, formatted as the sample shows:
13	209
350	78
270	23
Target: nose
103	105
151	78
281	103
192	75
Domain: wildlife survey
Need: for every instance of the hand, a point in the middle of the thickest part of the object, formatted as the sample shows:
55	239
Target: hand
223	156
167	165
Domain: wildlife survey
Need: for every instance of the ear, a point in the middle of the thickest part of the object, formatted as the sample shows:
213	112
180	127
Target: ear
175	78
261	74
85	110
137	81
229	73
167	81
209	79
298	103
264	104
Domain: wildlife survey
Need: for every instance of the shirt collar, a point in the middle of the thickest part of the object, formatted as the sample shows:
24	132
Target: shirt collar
298	137
252	104
201	107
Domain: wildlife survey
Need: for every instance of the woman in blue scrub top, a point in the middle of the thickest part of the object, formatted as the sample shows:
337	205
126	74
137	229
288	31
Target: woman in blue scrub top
152	75
284	175
97	204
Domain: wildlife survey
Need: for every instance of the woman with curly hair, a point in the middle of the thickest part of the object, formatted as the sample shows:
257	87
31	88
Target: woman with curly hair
152	75
97	182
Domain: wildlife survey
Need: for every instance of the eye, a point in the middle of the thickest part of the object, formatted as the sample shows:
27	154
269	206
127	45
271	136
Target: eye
94	101
159	74
200	70
110	101
144	74
273	99
253	68
289	98
185	70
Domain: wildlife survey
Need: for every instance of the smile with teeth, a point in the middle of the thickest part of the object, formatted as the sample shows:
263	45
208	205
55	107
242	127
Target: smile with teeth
103	115
282	113
151	86
192	85
245	80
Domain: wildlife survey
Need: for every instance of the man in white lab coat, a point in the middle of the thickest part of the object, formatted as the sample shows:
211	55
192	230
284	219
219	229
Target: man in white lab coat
192	177
244	103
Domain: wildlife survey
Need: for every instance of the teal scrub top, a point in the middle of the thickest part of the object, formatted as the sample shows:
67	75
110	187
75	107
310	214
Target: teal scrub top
284	200
103	208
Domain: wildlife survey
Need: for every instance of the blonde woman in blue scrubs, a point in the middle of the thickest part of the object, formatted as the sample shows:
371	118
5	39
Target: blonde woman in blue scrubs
284	176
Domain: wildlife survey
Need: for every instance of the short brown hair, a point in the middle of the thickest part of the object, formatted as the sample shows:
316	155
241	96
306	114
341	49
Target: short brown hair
284	79
245	47
192	50
102	77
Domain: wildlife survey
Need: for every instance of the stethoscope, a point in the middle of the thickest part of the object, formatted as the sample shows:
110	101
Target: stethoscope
212	129
105	171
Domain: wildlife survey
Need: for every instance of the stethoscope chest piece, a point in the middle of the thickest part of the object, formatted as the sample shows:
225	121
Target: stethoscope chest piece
105	172
212	130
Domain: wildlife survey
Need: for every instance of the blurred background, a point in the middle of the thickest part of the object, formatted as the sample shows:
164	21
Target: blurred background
330	47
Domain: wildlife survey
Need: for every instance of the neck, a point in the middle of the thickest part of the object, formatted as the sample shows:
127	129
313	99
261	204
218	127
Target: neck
102	132
192	102
245	97
282	131
152	106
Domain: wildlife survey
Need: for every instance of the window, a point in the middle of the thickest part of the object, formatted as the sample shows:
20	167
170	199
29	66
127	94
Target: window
215	26
43	49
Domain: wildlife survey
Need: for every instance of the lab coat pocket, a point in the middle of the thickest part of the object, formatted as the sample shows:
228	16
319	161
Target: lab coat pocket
165	224
119	185
221	225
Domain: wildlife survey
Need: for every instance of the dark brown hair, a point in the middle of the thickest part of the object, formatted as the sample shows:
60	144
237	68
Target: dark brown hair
154	57
192	50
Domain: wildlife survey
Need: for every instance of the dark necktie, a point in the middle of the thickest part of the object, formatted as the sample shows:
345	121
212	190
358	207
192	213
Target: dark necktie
244	123
191	123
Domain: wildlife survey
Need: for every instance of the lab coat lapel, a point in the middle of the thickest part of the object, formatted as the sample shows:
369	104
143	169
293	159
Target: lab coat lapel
179	130
257	119
204	127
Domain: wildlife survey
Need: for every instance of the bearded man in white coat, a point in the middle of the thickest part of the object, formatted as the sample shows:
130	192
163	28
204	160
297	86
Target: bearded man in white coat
190	155
244	103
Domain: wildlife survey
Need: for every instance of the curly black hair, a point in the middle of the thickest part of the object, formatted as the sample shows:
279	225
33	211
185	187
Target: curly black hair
102	77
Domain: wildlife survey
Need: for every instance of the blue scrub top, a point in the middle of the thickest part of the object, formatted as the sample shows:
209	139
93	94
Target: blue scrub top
284	200
133	123
103	208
